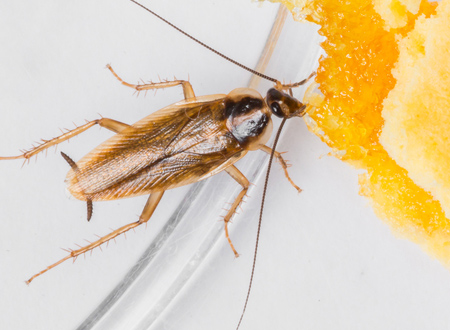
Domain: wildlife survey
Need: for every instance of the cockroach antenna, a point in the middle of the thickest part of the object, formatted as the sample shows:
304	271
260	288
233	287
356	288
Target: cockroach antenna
219	53
279	86
255	253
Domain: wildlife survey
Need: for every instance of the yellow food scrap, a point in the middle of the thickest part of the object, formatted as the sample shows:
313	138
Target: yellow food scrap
355	78
417	111
395	12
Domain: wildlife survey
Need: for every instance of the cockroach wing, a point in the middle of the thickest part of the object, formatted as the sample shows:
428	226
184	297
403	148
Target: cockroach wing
177	145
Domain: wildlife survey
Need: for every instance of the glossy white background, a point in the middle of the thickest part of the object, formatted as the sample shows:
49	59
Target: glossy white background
325	260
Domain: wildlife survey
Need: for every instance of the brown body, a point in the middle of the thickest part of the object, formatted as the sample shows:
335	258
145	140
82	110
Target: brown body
183	143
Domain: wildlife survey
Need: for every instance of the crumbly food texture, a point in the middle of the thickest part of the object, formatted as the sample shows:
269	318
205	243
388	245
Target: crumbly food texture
380	53
416	112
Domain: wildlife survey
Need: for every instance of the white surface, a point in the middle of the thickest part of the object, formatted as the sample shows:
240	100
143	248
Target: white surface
325	260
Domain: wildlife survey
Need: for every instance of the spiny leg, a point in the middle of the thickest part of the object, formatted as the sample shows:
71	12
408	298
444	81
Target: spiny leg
242	180
283	164
187	87
281	86
111	124
149	208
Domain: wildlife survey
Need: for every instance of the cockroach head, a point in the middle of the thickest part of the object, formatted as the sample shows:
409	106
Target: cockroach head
284	105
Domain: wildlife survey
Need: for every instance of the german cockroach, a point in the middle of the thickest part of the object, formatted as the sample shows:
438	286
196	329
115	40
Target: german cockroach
325	262
178	145
181	144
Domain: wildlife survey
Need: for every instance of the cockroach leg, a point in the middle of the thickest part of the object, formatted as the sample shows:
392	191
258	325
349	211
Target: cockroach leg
281	86
111	124
149	208
187	87
283	165
242	180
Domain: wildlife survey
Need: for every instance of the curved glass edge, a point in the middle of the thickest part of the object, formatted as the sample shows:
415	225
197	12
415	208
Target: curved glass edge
173	257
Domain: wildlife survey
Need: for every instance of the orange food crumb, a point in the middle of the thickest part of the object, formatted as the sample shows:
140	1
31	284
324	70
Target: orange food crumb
355	78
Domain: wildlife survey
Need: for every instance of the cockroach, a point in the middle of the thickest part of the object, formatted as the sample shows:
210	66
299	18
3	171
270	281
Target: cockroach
180	144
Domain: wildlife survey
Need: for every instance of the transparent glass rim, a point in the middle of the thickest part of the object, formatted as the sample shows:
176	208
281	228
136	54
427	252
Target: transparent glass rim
108	313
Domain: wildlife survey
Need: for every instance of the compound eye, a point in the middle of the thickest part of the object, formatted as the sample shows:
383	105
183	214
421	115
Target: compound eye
283	105
276	109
